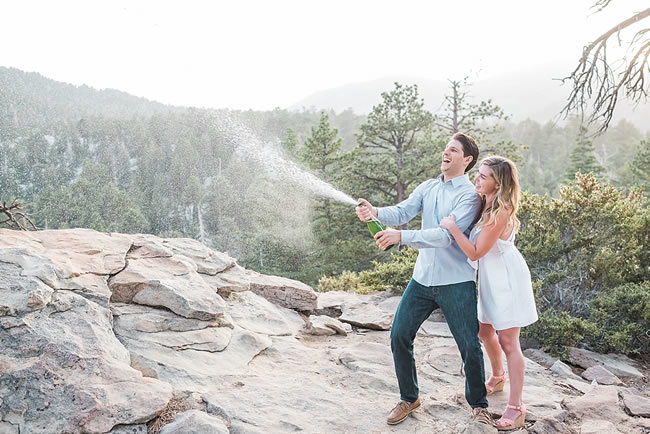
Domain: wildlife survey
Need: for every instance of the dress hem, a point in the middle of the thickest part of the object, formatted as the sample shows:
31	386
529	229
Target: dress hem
510	324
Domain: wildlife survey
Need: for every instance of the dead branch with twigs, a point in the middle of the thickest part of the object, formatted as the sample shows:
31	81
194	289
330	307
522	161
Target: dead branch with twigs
15	217
599	81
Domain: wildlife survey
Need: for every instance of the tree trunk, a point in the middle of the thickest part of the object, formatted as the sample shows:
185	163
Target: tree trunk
200	219
455	105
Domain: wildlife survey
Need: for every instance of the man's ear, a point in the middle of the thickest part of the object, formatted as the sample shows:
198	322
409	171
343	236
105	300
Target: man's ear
468	160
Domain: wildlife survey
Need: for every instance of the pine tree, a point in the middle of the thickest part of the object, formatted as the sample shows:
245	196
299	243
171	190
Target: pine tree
480	120
320	150
290	141
320	153
342	240
640	166
396	148
582	158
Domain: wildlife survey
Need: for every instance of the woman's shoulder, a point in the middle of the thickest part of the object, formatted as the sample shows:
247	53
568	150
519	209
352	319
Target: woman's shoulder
504	214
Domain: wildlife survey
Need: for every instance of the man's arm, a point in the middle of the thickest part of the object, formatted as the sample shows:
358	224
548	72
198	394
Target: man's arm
465	211
404	211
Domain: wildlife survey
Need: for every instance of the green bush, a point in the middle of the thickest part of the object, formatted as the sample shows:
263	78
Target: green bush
388	276
588	254
622	317
555	330
582	244
391	276
347	281
619	321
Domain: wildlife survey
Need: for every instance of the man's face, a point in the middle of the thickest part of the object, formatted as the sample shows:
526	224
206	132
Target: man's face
453	160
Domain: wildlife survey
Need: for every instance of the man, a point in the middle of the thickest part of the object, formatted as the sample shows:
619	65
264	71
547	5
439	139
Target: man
442	277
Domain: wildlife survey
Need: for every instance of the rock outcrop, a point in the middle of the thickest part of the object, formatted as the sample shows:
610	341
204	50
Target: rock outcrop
99	330
128	333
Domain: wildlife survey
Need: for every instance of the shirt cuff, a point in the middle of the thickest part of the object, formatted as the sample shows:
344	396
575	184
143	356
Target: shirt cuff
406	236
379	215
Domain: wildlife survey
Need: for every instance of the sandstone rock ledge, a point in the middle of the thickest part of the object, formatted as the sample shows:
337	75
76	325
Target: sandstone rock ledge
134	333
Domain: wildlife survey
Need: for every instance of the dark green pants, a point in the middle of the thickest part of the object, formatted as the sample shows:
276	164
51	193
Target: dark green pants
458	303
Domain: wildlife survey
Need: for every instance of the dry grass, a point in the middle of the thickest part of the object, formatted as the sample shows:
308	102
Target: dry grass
176	405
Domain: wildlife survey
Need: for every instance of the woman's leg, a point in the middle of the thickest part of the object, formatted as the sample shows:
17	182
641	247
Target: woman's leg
509	341
488	336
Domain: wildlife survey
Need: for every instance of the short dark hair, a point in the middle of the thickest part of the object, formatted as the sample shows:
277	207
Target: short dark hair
469	148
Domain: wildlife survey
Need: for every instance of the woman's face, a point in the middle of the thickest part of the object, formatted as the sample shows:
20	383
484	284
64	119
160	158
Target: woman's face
484	182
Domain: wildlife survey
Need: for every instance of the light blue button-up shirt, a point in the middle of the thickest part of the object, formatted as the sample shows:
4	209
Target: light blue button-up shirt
440	260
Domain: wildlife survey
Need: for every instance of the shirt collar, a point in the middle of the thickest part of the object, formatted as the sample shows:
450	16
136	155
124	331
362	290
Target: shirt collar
457	181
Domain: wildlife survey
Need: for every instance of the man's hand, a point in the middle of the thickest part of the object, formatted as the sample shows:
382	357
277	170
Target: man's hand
365	211
387	237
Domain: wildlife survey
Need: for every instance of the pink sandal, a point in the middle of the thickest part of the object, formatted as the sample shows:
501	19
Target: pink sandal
498	386
505	424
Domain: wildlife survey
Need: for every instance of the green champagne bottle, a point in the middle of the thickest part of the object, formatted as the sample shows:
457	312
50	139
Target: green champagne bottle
374	226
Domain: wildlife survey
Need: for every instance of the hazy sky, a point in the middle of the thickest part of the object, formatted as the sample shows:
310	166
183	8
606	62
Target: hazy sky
262	54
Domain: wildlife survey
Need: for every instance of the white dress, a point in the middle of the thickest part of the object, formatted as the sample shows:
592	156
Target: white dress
505	296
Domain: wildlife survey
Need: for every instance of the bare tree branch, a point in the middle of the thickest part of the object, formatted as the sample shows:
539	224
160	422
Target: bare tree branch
16	218
386	191
601	4
596	82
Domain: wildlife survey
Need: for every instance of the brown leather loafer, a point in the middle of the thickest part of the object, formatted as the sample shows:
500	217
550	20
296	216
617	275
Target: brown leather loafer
401	411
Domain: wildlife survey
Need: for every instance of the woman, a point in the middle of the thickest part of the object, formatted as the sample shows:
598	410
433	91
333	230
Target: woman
506	302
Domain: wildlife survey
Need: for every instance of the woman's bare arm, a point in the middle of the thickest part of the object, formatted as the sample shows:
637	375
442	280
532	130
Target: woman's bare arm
486	239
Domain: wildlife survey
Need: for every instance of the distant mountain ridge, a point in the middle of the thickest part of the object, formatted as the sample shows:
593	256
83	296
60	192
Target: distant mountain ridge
28	98
535	94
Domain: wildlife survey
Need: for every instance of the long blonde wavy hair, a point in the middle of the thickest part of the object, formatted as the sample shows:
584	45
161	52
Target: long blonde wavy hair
506	176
